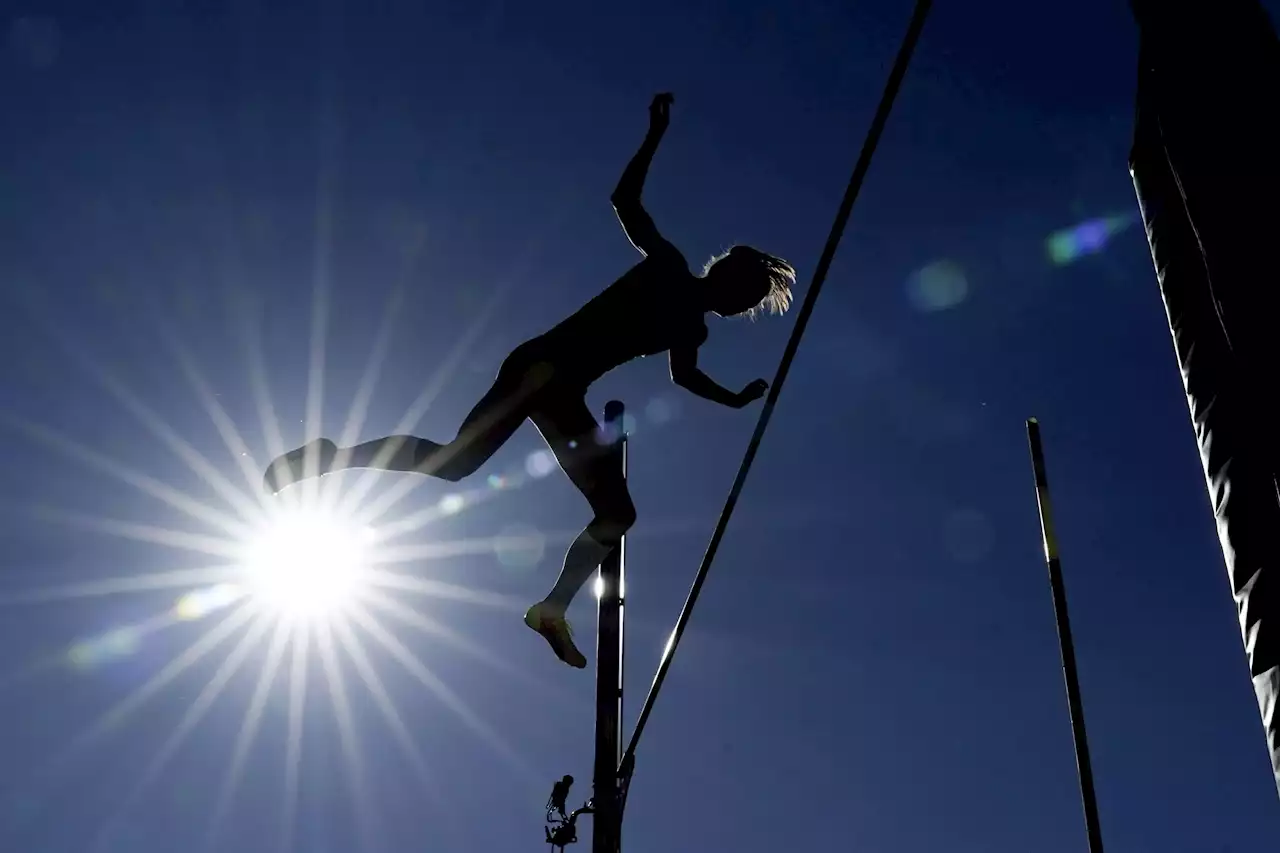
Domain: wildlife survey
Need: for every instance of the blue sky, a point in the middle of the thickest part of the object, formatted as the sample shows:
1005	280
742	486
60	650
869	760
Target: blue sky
873	663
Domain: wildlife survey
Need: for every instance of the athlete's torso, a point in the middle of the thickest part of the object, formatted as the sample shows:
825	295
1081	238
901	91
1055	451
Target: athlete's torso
652	308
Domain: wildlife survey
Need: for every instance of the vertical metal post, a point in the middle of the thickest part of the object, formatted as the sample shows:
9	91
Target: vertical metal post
1084	766
606	821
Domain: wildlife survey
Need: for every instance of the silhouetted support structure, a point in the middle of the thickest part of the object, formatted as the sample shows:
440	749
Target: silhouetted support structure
1084	767
605	806
1205	170
607	801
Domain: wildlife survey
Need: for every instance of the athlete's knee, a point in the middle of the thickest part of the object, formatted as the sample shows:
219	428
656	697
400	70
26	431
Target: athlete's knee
455	470
528	369
613	519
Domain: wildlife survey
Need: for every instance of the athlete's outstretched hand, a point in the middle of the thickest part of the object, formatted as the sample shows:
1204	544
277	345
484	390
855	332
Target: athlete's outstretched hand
660	112
754	391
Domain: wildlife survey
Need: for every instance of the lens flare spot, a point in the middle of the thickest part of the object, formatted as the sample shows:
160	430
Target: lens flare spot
608	434
113	645
1085	238
938	286
452	504
659	411
539	464
202	602
519	546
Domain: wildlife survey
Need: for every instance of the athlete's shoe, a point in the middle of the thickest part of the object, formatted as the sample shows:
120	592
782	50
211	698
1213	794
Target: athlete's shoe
554	628
298	464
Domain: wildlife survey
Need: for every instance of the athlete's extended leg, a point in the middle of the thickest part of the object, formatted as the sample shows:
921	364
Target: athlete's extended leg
488	426
573	435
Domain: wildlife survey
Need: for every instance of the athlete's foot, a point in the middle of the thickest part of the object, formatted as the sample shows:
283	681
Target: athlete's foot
549	621
298	464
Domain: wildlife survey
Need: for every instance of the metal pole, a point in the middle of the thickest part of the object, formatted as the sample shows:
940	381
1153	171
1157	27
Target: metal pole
606	824
1084	766
620	801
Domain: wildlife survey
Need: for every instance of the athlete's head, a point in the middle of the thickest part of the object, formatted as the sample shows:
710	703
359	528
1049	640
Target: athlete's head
746	281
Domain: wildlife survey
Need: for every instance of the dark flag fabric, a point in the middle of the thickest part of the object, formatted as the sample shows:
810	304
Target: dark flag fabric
1205	164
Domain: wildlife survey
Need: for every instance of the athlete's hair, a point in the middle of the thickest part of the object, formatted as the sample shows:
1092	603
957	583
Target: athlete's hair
774	276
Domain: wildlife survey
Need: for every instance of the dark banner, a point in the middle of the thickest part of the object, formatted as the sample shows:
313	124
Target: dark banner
1206	168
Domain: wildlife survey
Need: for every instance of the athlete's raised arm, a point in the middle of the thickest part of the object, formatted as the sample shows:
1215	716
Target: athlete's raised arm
635	220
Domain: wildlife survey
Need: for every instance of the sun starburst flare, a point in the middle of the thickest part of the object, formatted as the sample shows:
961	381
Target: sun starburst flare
323	581
306	564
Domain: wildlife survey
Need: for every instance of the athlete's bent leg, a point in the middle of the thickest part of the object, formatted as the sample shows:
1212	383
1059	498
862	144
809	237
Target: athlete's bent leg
572	433
614	517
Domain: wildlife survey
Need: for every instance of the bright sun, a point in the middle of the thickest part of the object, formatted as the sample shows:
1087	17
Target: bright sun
307	563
